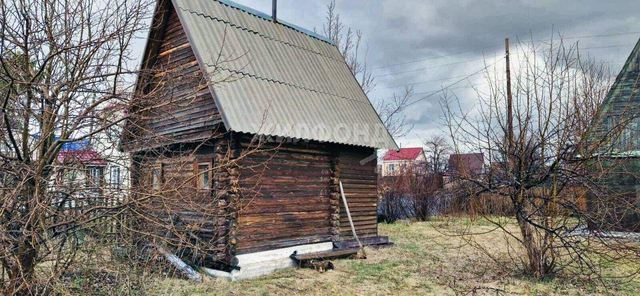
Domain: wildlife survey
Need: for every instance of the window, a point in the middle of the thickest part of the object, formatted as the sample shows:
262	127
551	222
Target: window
391	167
157	177
95	177
625	139
203	176
115	177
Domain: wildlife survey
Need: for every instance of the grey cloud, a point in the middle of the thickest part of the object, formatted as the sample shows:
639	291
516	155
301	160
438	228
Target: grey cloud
399	31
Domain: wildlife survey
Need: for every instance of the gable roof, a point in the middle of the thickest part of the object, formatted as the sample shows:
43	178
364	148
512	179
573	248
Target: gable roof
82	157
623	97
292	83
626	84
403	154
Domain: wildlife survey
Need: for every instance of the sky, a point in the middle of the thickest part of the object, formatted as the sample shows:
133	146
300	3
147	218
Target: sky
452	39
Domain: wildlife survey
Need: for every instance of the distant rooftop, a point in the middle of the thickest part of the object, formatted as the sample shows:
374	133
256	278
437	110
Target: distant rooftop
84	157
463	164
403	154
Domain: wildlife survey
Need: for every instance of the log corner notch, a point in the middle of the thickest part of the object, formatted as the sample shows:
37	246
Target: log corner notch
226	183
335	197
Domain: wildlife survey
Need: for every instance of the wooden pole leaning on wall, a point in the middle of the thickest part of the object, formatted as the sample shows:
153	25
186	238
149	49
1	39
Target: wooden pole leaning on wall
353	228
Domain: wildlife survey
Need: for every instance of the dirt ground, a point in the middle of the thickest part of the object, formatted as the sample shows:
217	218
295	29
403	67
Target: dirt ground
427	260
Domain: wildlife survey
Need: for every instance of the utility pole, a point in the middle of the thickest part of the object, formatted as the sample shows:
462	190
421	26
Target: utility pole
509	103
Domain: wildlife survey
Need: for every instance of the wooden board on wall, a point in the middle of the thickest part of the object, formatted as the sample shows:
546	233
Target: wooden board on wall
176	104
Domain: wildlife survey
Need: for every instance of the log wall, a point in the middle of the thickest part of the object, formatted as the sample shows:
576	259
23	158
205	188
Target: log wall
359	180
178	210
268	196
284	197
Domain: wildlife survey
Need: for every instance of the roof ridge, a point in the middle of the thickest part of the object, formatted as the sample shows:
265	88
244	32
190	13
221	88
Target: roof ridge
408	153
267	17
284	83
622	75
256	32
309	81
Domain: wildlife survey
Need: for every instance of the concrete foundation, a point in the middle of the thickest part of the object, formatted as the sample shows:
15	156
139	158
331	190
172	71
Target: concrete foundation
263	263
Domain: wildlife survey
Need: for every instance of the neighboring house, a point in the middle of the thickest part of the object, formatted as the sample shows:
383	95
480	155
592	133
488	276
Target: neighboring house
466	165
79	177
395	162
288	83
622	104
106	142
94	171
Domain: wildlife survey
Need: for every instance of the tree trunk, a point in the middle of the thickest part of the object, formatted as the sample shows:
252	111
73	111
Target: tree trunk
537	258
25	253
22	272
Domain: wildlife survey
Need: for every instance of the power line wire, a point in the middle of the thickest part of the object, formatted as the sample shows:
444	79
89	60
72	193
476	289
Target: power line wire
610	46
480	59
466	77
433	58
421	82
587	36
453	77
428	68
448	87
500	45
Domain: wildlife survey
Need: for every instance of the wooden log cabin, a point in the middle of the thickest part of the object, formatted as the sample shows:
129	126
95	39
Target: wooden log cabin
262	120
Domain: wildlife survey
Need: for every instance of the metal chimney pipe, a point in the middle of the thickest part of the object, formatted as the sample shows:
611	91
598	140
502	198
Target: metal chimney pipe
274	14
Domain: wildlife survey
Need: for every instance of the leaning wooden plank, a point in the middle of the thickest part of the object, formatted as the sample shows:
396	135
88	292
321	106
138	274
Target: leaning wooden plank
180	265
353	228
325	255
370	241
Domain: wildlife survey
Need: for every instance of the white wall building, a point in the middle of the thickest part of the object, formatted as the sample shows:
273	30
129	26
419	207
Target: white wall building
395	162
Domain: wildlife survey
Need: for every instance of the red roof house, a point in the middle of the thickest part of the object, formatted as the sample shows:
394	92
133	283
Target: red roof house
83	157
403	154
394	162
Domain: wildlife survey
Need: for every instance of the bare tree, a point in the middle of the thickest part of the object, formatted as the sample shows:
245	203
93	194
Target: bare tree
555	159
437	149
392	113
61	63
349	43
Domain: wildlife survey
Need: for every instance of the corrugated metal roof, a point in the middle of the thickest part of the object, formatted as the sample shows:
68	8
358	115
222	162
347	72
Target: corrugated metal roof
291	82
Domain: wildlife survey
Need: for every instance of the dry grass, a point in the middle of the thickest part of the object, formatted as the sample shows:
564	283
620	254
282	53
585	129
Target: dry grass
424	261
427	260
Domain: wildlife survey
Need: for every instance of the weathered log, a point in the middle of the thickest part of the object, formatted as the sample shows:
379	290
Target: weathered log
180	265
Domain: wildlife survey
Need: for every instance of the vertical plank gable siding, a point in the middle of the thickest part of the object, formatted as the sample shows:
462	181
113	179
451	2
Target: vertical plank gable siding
285	198
360	189
182	107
